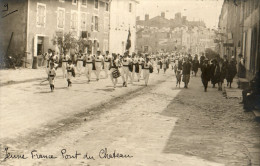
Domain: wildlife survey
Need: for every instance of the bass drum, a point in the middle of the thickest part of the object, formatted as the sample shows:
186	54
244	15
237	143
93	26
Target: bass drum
137	68
130	67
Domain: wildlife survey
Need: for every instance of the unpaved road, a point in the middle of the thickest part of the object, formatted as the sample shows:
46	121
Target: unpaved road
152	126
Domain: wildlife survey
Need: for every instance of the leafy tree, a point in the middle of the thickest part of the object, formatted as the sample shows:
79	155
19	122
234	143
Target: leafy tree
65	42
211	54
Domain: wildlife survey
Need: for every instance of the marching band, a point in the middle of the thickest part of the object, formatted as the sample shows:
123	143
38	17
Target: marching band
115	65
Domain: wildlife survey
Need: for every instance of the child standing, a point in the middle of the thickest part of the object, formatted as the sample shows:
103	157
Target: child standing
51	75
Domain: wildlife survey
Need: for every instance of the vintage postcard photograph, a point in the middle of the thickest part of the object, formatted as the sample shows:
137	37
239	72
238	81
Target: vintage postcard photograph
130	83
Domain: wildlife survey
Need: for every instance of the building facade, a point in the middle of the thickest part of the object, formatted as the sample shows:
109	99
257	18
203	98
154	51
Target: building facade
122	20
38	21
160	34
239	32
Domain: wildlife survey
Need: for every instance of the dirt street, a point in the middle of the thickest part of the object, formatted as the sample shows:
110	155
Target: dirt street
147	126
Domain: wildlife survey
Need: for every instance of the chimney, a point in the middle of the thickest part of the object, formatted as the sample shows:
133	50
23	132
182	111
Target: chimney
146	17
163	14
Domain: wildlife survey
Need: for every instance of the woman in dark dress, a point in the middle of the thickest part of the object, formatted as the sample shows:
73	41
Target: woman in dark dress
220	74
231	72
195	66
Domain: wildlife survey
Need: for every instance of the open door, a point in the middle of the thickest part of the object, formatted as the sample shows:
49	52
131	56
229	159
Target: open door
45	44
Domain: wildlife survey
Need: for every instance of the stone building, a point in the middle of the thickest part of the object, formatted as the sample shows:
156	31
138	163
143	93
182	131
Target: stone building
35	23
122	20
239	32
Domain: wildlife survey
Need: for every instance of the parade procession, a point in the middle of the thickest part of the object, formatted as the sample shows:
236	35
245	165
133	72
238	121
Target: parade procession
130	83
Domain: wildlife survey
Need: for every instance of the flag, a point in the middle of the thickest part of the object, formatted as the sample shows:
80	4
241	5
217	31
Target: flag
128	43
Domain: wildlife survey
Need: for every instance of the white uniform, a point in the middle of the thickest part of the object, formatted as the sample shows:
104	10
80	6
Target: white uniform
89	65
79	63
107	60
69	71
135	60
65	59
114	66
125	69
98	64
51	75
140	61
146	71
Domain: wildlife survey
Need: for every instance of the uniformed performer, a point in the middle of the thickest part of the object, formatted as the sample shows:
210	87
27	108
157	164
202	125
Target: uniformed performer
79	62
140	62
70	72
164	63
125	69
107	60
99	59
135	66
51	75
130	68
159	62
89	64
114	71
52	57
64	57
147	68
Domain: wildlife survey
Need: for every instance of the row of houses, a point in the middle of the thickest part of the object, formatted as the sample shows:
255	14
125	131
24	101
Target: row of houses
178	34
30	30
239	32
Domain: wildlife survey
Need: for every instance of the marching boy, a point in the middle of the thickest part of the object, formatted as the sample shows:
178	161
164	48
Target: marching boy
70	71
51	75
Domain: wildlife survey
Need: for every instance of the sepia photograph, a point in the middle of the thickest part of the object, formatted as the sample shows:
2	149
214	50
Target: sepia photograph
130	83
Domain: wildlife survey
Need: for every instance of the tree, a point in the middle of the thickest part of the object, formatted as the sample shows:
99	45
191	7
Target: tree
211	54
83	43
65	41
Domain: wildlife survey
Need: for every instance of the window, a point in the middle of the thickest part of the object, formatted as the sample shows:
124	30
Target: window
84	2
96	4
94	23
74	20
130	7
83	21
107	7
61	18
74	2
41	14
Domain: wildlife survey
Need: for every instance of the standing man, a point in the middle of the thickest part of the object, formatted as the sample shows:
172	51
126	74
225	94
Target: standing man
140	63
205	75
125	69
99	59
107	60
65	57
186	72
89	64
146	70
79	62
135	66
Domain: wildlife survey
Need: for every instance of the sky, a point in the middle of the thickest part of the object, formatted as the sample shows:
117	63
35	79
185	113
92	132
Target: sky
206	10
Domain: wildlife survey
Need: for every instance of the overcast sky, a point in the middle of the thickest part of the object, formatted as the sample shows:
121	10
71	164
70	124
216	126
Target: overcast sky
206	10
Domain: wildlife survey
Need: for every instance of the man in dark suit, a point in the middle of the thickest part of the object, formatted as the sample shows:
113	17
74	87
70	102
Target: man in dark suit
205	75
